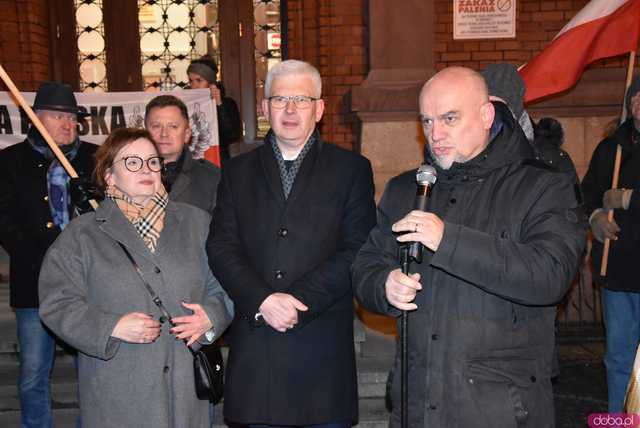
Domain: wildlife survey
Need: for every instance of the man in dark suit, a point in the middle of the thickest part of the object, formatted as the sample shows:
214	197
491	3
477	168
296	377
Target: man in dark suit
35	205
290	217
188	180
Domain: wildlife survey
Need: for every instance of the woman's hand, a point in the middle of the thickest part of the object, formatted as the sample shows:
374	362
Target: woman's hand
191	326
136	327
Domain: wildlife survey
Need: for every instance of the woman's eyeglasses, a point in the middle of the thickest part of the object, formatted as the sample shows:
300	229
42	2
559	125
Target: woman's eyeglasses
134	163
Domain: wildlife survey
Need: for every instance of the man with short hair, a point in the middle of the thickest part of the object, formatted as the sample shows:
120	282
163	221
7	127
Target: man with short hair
503	239
621	288
291	216
187	180
35	205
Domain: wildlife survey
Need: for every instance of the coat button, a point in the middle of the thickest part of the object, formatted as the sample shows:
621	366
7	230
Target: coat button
533	379
432	407
166	369
453	200
279	274
283	232
40	165
434	337
157	269
49	225
46	198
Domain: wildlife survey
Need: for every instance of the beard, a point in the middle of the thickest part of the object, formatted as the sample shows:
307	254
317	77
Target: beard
443	162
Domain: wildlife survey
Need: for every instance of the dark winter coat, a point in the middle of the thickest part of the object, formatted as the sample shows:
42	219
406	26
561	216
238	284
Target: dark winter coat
196	184
26	225
624	253
481	340
262	243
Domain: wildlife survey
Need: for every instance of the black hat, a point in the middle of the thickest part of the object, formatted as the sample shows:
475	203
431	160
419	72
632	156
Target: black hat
57	97
504	81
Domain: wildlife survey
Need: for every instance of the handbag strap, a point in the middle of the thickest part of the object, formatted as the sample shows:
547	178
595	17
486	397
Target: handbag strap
154	296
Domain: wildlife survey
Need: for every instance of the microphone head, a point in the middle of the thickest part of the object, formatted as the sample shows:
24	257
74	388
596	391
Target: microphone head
426	175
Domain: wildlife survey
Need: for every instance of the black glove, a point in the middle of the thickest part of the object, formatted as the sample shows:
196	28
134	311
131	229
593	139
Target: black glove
81	190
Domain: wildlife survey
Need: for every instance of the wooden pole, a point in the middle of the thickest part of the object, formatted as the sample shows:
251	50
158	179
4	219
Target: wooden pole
616	167
43	131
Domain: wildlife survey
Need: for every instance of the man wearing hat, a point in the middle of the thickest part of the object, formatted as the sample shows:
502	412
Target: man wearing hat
35	205
621	292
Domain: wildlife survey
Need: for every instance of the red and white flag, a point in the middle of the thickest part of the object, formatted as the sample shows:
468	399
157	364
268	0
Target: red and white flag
602	29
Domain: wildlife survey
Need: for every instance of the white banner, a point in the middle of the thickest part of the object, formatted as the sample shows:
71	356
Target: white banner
111	110
484	19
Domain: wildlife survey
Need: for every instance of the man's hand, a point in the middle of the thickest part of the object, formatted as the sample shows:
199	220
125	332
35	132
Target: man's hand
423	227
616	198
601	227
280	311
81	190
401	289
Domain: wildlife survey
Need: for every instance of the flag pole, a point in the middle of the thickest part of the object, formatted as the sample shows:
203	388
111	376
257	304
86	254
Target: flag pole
616	167
43	131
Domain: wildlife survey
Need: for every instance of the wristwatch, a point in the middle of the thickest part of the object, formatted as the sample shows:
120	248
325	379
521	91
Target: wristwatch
209	335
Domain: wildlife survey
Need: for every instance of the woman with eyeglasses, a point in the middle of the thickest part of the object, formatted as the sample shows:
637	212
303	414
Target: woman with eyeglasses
134	367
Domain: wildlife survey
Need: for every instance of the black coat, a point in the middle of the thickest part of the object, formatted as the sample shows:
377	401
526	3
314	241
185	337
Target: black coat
26	225
481	340
261	244
622	272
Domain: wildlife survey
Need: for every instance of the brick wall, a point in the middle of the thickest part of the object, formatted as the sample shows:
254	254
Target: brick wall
24	42
331	34
537	22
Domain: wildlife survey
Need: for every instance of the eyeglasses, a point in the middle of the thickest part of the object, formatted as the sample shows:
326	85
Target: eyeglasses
300	101
134	163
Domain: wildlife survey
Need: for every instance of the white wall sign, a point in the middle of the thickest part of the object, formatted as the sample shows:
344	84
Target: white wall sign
484	19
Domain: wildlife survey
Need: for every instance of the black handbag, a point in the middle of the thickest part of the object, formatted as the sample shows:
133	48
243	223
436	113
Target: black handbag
208	370
208	366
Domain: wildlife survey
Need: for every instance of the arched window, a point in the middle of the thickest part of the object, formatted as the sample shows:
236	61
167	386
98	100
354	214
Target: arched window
148	45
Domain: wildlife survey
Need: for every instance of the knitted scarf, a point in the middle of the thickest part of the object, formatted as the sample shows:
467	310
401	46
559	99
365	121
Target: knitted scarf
148	220
57	177
288	175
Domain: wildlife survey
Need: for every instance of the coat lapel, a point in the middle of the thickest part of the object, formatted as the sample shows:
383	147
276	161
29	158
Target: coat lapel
115	225
183	181
271	172
307	172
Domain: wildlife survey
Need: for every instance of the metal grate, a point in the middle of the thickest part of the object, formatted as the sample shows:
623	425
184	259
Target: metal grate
267	49
172	33
92	57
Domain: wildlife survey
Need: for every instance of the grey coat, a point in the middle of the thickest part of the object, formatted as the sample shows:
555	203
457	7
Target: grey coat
197	183
87	284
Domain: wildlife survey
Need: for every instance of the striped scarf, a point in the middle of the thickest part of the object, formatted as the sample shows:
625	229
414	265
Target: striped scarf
148	220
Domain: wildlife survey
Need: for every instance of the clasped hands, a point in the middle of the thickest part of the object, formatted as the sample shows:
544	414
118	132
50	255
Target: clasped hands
138	327
426	228
280	311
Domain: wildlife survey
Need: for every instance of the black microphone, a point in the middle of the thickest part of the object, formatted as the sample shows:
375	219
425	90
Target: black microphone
426	177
